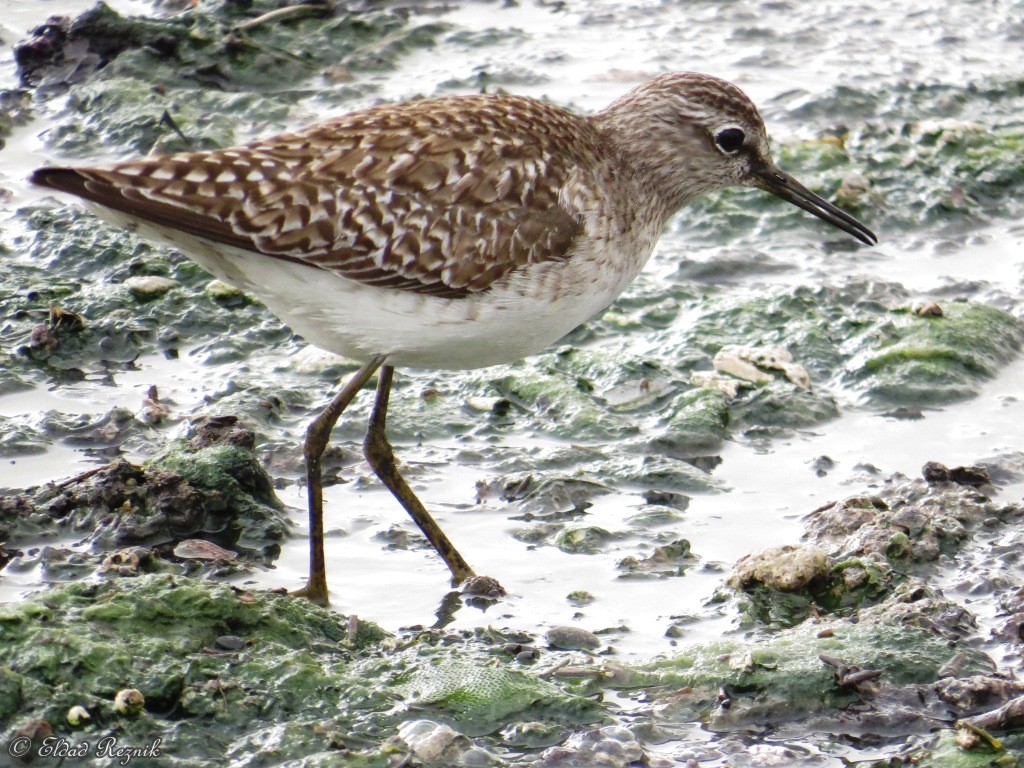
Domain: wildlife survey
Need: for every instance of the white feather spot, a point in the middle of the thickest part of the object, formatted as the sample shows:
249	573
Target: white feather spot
400	164
365	220
453	175
504	185
364	165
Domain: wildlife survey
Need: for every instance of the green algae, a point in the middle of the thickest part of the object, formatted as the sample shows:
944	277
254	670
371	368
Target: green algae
155	68
242	487
696	422
562	405
296	676
934	360
583	540
784	677
482	696
944	752
887	354
75	266
814	323
216	491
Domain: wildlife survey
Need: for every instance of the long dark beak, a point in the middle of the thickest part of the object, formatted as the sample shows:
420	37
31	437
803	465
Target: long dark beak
781	184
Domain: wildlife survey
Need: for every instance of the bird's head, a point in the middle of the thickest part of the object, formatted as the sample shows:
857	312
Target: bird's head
687	134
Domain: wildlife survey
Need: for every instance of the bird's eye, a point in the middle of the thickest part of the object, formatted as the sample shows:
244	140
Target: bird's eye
730	140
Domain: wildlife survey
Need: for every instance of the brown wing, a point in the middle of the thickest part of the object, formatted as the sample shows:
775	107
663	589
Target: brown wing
443	196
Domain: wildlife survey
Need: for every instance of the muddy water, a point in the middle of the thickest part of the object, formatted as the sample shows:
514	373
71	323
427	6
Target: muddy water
793	59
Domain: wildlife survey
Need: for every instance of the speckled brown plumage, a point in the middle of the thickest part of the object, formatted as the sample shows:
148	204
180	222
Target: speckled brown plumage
441	197
529	217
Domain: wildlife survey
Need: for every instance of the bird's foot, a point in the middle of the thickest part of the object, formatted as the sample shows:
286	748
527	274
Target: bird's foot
315	591
483	586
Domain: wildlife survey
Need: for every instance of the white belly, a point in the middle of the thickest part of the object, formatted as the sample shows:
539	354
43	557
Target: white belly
510	321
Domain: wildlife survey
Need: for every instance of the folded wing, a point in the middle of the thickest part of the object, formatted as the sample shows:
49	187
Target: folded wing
442	197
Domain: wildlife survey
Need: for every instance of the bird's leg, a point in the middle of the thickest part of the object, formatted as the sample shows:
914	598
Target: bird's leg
317	436
378	452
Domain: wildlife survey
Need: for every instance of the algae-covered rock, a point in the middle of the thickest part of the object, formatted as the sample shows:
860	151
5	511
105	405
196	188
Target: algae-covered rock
866	555
211	485
860	336
149	287
811	323
15	110
212	670
965	169
946	751
20	439
786	405
696	423
242	485
81	644
857	581
670	559
74	307
933	360
563	405
583	539
572	639
784	676
657	474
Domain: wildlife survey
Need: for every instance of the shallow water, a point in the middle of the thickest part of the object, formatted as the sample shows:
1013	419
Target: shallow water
789	57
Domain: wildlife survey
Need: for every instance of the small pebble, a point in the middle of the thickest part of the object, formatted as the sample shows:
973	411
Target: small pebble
201	549
432	742
129	701
928	309
224	293
149	287
78	715
229	643
572	639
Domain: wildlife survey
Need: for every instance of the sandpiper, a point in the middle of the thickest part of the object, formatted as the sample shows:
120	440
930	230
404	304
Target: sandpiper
445	233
